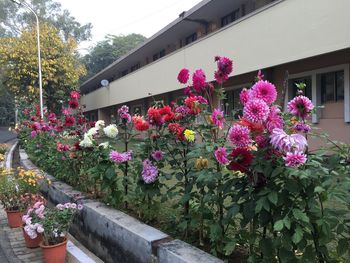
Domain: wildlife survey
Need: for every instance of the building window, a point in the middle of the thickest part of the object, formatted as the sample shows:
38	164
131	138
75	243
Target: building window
135	67
191	38
233	16
232	105
162	53
332	86
308	86
125	72
155	56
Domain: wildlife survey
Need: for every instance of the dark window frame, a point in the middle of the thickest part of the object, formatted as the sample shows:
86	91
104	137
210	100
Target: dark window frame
229	18
336	91
191	38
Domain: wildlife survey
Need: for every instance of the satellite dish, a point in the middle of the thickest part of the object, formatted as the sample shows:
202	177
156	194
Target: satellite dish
104	83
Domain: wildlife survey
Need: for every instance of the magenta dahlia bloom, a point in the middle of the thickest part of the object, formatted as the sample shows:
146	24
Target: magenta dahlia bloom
265	91
302	127
239	136
149	172
183	76
287	143
120	157
218	118
157	155
274	120
199	80
244	96
256	110
295	159
300	106
224	69
221	156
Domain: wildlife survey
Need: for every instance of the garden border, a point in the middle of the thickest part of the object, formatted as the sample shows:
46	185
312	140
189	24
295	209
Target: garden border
115	236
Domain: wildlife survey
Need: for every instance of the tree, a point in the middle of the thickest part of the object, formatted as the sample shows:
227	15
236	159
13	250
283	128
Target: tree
15	18
61	69
107	51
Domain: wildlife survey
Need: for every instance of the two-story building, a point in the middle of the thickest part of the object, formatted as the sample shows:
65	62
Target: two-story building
290	40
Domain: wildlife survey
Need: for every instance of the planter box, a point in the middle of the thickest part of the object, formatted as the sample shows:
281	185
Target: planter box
115	236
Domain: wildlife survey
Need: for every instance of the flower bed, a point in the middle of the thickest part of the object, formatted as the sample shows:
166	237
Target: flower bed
248	185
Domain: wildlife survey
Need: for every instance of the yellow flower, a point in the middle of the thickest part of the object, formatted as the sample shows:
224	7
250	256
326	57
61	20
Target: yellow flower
189	135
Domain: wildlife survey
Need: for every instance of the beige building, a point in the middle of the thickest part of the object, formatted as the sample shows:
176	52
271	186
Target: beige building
290	40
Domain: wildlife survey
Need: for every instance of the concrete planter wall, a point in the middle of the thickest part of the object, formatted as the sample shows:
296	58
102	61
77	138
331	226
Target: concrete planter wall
115	236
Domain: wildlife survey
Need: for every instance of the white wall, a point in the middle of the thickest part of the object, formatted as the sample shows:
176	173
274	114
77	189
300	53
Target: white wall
286	31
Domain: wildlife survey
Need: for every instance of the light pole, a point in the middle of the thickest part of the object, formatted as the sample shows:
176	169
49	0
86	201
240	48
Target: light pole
24	4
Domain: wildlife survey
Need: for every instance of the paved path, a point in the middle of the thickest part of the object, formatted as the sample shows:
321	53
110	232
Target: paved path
12	245
5	135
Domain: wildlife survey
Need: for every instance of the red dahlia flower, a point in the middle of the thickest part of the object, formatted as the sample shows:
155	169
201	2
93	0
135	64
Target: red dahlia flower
73	104
69	121
241	159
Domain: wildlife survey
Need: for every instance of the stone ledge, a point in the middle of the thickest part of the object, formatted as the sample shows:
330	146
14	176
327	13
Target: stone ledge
178	251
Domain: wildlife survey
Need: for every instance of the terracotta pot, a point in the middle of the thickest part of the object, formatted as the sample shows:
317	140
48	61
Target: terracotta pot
55	253
32	243
14	218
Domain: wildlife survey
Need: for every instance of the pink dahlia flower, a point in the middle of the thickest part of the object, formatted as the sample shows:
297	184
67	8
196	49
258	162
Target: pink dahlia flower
199	80
221	156
287	143
265	91
256	110
183	76
157	155
295	159
149	172
66	111
218	118
120	157
239	136
75	95
244	96
274	120
300	106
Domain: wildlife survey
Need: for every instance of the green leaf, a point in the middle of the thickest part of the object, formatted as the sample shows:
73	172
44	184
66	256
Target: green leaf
286	222
230	247
343	246
278	226
273	197
298	235
319	189
298	214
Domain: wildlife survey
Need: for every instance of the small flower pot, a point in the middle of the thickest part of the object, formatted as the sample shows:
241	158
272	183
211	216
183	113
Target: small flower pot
54	253
32	243
14	218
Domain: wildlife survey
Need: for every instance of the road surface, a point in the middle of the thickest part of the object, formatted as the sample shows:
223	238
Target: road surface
5	135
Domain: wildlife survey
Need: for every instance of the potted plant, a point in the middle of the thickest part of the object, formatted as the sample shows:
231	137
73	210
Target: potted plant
55	223
32	229
11	197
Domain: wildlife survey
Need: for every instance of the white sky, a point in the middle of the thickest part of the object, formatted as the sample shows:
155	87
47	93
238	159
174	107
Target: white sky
116	17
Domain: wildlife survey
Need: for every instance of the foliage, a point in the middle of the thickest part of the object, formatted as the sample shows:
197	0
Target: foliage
60	68
3	148
109	50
